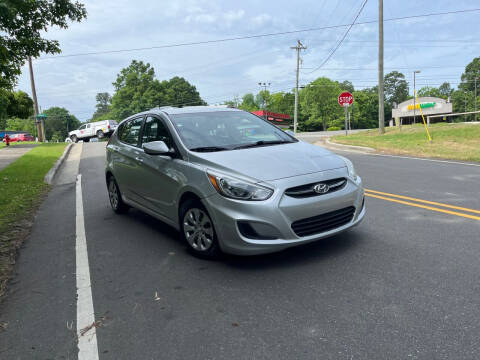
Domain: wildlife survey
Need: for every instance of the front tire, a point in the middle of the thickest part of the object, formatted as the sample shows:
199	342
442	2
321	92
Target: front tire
74	138
115	197
197	230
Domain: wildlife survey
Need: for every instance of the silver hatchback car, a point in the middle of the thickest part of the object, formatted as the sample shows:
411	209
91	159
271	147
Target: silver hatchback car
230	181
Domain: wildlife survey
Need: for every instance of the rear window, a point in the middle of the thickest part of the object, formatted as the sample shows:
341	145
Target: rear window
112	122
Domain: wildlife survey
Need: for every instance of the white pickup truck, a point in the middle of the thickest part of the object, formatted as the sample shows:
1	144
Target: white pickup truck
97	129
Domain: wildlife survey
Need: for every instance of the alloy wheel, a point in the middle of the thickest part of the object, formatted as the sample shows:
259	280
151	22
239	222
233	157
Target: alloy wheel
198	229
113	194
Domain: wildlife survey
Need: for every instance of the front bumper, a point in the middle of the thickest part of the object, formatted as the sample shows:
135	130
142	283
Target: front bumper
280	211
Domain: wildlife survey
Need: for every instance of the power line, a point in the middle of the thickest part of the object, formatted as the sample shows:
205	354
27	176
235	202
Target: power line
258	35
343	38
392	67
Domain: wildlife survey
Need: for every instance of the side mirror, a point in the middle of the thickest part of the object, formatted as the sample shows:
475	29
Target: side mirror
156	148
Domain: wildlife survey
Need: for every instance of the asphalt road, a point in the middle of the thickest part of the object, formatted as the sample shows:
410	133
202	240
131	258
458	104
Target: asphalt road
402	285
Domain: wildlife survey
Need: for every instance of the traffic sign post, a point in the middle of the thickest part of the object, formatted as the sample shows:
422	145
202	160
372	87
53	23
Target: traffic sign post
345	99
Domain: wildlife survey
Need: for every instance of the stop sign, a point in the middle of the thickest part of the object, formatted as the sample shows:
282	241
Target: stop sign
345	98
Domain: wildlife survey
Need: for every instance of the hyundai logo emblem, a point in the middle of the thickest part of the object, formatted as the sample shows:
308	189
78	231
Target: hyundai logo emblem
321	188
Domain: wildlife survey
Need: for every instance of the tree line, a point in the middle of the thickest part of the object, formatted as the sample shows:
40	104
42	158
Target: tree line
319	110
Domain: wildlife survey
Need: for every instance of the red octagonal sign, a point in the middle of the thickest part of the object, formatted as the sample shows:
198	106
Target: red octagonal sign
345	99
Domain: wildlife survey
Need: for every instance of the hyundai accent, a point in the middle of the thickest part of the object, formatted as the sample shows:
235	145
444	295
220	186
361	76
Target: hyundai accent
230	181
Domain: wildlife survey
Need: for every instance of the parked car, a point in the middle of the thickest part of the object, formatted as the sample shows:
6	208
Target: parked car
21	137
98	129
228	189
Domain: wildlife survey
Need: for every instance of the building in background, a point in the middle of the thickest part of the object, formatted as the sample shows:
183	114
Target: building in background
281	120
428	105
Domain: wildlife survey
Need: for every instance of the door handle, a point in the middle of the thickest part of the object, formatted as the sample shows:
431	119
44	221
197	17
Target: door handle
139	159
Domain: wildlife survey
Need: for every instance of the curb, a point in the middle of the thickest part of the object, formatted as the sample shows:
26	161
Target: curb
53	171
353	148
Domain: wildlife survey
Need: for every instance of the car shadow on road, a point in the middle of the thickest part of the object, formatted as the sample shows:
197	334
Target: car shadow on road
320	250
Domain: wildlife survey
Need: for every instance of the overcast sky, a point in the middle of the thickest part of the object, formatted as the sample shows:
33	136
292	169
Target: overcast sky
439	46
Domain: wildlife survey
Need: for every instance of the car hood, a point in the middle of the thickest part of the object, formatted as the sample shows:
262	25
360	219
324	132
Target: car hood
271	162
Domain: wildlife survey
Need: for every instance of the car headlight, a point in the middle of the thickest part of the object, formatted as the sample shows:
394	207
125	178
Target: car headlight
350	168
238	189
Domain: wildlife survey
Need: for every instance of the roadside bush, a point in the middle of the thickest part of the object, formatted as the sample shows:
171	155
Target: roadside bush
334	128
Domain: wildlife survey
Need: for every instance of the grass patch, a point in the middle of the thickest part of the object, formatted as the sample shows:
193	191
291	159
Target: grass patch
2	144
21	189
450	141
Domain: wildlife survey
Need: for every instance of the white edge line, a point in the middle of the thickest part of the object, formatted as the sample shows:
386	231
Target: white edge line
405	157
425	159
87	344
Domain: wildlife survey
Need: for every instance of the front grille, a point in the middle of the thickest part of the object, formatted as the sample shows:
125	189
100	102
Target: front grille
324	222
307	190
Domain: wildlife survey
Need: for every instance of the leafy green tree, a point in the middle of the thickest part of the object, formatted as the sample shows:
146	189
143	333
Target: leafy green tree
179	92
14	105
464	101
445	90
396	87
20	105
282	103
347	86
430	91
58	123
319	105
136	90
17	124
22	24
472	71
263	99
4	101
365	108
103	105
248	103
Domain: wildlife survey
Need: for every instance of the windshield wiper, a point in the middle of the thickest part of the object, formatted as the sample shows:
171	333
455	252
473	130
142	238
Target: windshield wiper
209	148
262	143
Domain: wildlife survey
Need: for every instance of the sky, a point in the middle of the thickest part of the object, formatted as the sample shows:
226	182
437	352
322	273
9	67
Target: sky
439	46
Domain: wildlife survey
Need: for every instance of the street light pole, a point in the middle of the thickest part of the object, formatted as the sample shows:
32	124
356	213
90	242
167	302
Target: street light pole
264	85
414	96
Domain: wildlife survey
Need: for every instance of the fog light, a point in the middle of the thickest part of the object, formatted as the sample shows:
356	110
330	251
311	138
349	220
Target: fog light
257	231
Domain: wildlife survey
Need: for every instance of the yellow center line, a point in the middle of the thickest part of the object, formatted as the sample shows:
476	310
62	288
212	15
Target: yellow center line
424	201
425	207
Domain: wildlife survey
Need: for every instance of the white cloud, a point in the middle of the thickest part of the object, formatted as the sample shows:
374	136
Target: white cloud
234	15
200	18
261	19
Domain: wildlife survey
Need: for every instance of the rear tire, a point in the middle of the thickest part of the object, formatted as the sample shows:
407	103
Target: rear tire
100	134
115	197
197	230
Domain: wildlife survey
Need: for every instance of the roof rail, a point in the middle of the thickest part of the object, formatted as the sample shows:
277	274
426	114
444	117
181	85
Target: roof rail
162	107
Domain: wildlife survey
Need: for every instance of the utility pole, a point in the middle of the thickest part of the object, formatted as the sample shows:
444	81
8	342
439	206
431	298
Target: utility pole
381	104
299	47
35	102
264	85
415	97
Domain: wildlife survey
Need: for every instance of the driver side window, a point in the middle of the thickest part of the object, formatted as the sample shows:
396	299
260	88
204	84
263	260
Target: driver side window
155	130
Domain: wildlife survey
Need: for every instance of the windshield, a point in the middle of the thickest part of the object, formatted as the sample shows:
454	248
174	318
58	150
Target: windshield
226	130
